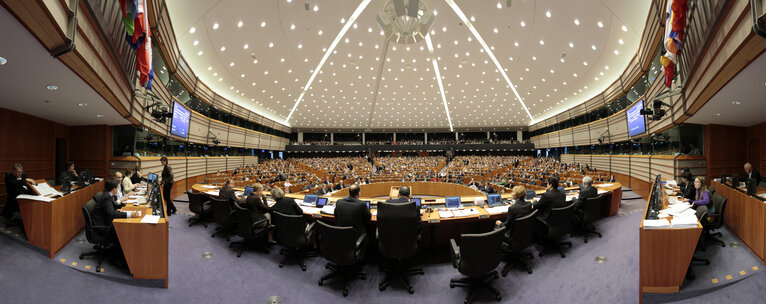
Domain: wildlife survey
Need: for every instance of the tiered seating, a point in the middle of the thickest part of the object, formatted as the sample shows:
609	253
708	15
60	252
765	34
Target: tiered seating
409	168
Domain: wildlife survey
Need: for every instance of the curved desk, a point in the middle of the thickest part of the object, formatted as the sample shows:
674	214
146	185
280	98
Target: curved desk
451	227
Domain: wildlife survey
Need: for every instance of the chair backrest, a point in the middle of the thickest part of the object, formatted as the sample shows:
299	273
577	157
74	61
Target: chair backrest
480	253
592	209
195	202
221	212
559	222
719	204
244	222
337	244
397	232
289	230
522	232
93	236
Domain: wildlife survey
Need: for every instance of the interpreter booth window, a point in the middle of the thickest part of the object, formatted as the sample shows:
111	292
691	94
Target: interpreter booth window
148	143
691	139
177	90
123	140
161	72
379	138
665	142
440	138
347	138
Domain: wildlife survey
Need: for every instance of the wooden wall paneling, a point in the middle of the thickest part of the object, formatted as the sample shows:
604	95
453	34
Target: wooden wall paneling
632	72
640	182
122	163
663	165
240	111
565	138
198	127
618	127
220	130
568	158
614	91
581	135
237	136
578	110
216	164
204	92
601	162
151	165
756	147
725	149
621	164
185	75
221	103
251	160
90	147
697	164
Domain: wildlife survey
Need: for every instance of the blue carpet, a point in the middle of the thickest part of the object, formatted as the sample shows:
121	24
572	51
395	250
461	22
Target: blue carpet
224	278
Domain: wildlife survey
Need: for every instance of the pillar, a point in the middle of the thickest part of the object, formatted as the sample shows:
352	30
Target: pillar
300	137
332	138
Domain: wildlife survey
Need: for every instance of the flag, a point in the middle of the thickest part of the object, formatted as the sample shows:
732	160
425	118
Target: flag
144	48
675	25
140	26
129	12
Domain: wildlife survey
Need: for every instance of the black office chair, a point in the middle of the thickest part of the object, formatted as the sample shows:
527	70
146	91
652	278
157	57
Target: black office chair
559	224
521	235
254	234
222	217
477	257
714	221
591	212
343	251
700	245
398	239
292	232
202	207
96	235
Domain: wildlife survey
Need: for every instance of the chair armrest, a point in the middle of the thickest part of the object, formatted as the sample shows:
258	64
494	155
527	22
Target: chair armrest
544	222
100	227
259	223
361	239
309	227
454	252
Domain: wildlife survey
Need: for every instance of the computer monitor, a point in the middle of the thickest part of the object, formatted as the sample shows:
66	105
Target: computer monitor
321	202
752	187
494	199
310	198
561	188
417	201
531	194
734	181
367	203
248	190
452	201
151	177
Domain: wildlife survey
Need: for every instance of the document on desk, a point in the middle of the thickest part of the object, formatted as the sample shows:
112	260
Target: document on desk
35	197
212	192
571	197
209	187
656	224
685	221
328	209
311	210
605	185
497	210
46	190
150	219
602	191
445	214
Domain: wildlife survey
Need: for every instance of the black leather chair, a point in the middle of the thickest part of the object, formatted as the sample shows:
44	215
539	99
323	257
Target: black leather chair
254	234
96	235
520	234
714	220
591	212
476	258
201	206
398	240
343	251
700	245
559	224
292	232
222	216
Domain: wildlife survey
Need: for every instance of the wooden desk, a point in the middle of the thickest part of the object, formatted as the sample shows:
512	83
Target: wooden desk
145	245
746	217
51	225
664	255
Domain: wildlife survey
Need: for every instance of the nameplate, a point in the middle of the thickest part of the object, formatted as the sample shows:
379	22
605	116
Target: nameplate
433	220
316	215
483	216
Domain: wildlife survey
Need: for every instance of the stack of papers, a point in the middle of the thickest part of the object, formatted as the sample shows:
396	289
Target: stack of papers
212	192
605	185
656	224
329	209
35	197
151	219
209	187
685	221
46	190
602	191
678	209
445	214
497	210
311	210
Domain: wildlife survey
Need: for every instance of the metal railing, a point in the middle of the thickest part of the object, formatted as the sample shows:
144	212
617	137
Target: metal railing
108	17
702	18
759	16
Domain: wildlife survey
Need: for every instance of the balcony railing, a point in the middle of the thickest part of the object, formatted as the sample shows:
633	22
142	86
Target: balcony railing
108	16
702	19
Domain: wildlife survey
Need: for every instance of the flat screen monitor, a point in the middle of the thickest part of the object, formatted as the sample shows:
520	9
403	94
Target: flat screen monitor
367	203
321	202
494	199
561	188
752	187
417	201
636	121
151	177
531	194
179	126
310	198
248	190
452	201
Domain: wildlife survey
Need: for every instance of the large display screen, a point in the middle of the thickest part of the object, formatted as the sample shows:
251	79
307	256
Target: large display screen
180	124
636	122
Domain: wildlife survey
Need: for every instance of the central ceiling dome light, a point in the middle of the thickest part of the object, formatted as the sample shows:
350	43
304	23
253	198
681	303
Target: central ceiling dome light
406	21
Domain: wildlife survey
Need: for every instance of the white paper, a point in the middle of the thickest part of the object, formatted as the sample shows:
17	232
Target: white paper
209	187
570	197
445	214
685	221
497	209
150	219
46	190
311	210
212	192
330	209
35	197
602	191
762	195
605	185
656	224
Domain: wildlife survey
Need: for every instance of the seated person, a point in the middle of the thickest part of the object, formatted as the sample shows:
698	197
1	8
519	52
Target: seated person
687	192
256	204
127	185
752	173
137	177
69	174
284	205
104	212
404	198
15	184
227	193
701	195
350	211
552	198
520	208
588	191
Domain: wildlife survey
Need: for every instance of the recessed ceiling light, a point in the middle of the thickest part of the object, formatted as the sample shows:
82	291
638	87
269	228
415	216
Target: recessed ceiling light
624	28
263	23
515	43
246	46
499	5
240	24
495	30
223	48
52	87
616	52
316	7
199	53
192	30
82	104
292	26
523	24
231	64
600	24
209	68
577	21
99	115
215	26
571	45
548	14
542	42
736	102
3	61
717	114
620	41
585	63
271	44
320	32
300	45
342	20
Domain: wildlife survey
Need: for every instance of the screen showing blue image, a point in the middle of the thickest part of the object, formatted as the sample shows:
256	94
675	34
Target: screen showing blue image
531	194
248	190
321	202
310	198
417	201
636	122
494	199
179	126
452	201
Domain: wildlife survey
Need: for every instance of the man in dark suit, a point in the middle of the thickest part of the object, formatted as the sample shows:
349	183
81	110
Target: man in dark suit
69	175
15	184
350	211
104	212
752	173
227	193
552	198
284	205
520	208
257	206
587	191
404	198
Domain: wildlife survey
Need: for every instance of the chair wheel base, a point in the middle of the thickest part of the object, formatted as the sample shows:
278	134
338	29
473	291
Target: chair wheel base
498	298
411	290
451	285
81	257
345	292
320	283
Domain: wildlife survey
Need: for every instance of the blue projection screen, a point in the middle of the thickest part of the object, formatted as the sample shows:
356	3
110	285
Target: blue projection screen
180	124
636	122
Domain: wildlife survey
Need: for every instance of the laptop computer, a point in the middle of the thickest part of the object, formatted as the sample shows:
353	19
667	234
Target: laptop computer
494	199
321	202
248	190
417	201
310	199
452	201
